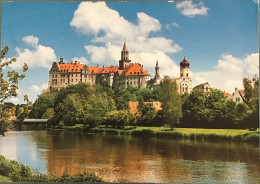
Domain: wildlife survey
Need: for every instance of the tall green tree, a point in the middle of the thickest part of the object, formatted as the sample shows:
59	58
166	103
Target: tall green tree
171	103
9	88
251	87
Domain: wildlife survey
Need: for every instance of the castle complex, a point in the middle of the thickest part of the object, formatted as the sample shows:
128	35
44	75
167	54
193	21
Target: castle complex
127	74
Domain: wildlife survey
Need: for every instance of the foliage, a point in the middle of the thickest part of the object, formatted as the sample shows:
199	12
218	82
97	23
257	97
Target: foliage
118	119
22	173
171	103
97	107
41	105
147	114
251	87
9	88
211	110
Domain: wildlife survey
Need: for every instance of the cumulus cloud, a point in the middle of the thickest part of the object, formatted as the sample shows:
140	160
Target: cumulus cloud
229	71
82	60
110	23
33	91
31	40
190	9
174	24
38	56
110	29
37	89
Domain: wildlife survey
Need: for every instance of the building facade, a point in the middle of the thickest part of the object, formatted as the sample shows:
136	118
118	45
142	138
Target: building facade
239	95
127	74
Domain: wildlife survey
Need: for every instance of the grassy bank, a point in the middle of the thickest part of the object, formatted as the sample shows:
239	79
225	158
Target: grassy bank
12	171
177	133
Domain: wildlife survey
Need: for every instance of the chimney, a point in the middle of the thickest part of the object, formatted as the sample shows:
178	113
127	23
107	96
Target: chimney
61	59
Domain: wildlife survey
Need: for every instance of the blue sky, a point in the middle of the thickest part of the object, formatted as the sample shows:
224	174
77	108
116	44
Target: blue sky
219	38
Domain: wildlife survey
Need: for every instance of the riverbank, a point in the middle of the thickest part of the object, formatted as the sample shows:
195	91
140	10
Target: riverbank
12	171
176	133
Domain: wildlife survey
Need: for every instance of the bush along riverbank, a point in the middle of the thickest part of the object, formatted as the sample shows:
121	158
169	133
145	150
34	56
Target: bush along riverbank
11	170
176	133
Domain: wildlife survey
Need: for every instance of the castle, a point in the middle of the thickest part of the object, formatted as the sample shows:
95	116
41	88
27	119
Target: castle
127	74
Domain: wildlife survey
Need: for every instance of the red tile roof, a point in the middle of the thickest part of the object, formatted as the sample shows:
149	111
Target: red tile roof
97	70
228	95
133	69
133	106
70	67
129	70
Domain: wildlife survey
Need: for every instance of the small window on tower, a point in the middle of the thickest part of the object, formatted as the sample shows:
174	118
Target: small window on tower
187	74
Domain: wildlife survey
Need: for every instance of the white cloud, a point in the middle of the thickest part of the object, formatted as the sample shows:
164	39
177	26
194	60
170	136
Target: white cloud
38	56
31	40
229	71
174	24
190	9
37	90
82	60
32	92
110	29
88	19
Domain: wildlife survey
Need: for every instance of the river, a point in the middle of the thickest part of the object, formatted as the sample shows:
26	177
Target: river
131	159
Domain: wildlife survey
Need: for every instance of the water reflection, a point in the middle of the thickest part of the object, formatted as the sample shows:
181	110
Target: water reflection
130	159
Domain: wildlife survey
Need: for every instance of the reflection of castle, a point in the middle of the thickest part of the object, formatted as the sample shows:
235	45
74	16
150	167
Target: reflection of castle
127	74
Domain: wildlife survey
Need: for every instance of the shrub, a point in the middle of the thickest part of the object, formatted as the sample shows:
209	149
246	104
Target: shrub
145	133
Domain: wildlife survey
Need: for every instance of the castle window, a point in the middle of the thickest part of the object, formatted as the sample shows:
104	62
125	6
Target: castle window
187	74
71	80
52	76
181	74
76	80
183	78
85	80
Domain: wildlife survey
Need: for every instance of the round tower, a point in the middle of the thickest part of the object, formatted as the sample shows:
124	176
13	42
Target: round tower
184	68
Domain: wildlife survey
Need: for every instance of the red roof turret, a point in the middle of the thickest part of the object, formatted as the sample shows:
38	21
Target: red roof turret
184	63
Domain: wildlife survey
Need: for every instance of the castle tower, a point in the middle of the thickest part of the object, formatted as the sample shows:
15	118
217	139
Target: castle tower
184	83
184	68
157	75
124	57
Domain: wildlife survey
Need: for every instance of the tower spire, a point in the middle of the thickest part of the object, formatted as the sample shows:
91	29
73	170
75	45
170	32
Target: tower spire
124	47
157	75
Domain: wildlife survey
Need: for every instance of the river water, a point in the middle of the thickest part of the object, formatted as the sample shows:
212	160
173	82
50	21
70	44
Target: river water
131	159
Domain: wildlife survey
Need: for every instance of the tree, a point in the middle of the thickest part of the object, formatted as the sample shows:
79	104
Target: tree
96	108
42	104
171	103
251	87
117	119
147	113
8	89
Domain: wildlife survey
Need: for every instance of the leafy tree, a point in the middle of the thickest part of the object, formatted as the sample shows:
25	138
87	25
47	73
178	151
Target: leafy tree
49	113
251	88
42	104
96	108
147	114
117	119
8	89
171	103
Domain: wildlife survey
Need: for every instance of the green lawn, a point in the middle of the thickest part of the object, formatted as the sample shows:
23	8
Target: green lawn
187	131
231	132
